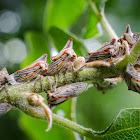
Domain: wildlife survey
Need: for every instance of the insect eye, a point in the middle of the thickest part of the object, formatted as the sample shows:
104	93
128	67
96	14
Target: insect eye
74	55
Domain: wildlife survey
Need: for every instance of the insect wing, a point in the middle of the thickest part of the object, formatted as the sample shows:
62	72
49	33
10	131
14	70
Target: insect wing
96	56
4	108
26	75
105	52
30	72
132	78
71	90
136	37
65	92
57	65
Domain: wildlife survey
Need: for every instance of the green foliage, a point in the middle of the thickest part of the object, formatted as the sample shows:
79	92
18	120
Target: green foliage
126	125
60	36
91	29
94	110
97	111
62	13
58	17
37	45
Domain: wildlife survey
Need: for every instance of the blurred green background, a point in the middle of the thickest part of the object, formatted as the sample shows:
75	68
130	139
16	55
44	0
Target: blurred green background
30	28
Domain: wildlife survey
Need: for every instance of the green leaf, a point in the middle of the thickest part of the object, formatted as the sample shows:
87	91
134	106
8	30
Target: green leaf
37	46
91	29
97	111
126	125
62	13
60	37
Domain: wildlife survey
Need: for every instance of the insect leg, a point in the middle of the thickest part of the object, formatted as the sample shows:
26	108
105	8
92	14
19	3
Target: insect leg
50	84
116	79
65	75
6	88
126	47
98	63
55	85
41	83
1	88
35	81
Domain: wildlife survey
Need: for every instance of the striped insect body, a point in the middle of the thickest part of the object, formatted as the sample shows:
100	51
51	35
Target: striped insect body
128	36
132	78
34	70
64	60
64	93
105	53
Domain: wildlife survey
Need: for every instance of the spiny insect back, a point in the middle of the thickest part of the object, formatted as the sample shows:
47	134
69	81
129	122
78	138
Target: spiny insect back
64	60
34	70
64	93
128	41
132	78
130	37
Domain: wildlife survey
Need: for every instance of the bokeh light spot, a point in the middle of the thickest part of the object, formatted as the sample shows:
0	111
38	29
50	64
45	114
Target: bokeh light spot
15	51
10	22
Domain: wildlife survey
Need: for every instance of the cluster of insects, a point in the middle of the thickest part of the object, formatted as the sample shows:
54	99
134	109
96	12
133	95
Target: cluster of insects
109	54
60	63
113	52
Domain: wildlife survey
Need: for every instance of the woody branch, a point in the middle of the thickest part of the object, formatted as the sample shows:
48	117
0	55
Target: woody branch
19	99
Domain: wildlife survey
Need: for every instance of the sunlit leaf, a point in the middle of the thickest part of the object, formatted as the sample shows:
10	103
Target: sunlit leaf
97	111
91	29
62	13
37	46
60	37
126	125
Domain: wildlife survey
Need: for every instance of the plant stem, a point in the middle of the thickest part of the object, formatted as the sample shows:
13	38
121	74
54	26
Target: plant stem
19	99
74	127
102	19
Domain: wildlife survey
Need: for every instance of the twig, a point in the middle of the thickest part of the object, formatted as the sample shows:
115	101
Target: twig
102	19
